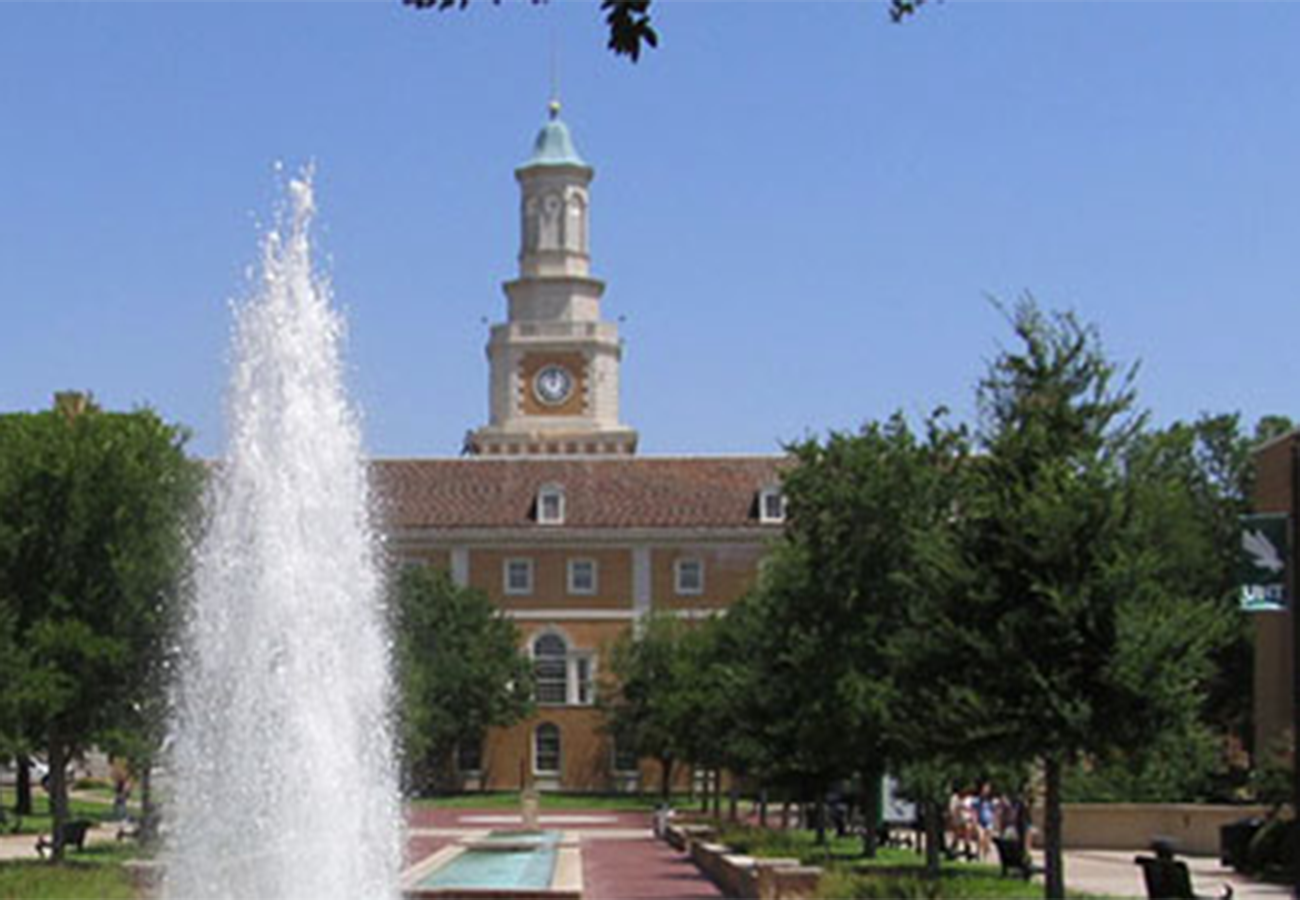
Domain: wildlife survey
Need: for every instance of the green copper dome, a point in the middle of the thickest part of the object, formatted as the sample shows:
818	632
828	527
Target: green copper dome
554	145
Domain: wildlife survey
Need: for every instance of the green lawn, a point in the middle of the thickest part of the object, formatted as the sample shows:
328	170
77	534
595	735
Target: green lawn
29	880
40	821
95	872
891	873
951	885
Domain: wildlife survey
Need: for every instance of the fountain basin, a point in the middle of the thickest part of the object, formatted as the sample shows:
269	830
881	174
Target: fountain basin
501	865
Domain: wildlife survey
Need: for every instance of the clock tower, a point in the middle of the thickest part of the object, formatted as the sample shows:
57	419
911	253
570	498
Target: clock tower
554	362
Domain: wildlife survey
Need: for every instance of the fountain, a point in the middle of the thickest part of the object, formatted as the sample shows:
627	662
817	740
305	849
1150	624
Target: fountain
283	768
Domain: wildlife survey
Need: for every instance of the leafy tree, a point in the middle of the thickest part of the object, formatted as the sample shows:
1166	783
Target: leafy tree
92	545
648	697
1088	646
629	20
1191	483
862	510
460	668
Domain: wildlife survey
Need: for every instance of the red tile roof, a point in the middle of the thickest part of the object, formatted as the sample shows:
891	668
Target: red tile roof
600	492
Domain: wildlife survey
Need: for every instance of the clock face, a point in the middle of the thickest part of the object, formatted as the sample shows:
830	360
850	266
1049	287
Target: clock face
553	385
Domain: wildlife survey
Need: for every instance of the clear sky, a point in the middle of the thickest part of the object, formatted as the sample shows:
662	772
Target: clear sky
801	209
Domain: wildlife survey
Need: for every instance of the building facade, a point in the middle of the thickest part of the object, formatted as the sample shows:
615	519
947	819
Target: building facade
551	512
1275	492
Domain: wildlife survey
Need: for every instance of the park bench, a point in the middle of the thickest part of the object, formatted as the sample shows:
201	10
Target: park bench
1013	855
1167	878
70	834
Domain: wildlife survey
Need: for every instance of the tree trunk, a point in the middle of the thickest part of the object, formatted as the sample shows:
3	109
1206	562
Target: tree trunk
666	785
148	827
932	815
58	797
23	801
717	793
1054	883
785	815
704	790
762	808
870	812
820	813
733	798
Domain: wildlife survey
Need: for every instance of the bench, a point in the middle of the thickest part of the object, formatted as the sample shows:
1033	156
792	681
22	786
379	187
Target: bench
70	834
1167	878
1013	854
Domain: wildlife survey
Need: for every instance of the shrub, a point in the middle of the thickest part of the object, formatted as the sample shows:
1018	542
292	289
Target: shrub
838	884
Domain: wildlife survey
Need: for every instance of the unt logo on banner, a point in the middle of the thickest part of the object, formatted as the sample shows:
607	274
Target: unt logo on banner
1262	567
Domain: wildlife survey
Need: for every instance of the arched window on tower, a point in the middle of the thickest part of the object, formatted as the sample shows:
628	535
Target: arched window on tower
575	232
532	213
550	222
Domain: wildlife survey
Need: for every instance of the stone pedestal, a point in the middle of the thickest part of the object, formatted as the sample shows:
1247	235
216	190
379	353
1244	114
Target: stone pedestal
531	802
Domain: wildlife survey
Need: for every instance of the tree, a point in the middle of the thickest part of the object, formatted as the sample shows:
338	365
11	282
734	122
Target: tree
1192	483
93	508
862	509
629	20
460	669
1189	483
1088	647
648	697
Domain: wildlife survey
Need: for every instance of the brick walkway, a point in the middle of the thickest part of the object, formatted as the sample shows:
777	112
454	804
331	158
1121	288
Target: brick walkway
507	817
640	869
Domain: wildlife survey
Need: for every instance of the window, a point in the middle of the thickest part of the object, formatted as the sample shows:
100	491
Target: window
582	680
771	505
625	758
582	576
550	505
562	677
546	749
688	575
519	576
469	756
551	670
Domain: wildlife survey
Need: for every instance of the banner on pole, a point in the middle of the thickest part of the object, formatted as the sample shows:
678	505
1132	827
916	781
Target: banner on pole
1262	570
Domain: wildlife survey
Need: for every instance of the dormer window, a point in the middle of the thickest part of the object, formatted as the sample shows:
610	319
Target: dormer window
771	506
550	505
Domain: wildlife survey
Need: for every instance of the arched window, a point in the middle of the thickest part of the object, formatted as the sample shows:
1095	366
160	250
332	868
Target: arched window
575	231
550	222
546	749
551	669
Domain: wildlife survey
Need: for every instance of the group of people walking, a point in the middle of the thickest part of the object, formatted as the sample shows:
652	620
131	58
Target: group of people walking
978	815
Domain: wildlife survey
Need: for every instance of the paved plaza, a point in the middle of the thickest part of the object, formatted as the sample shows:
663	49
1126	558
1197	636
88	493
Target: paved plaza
621	860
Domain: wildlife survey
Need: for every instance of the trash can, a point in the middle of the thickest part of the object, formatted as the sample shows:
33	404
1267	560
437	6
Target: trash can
1234	840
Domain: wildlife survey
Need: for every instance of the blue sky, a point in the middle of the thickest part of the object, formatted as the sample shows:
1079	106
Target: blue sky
801	210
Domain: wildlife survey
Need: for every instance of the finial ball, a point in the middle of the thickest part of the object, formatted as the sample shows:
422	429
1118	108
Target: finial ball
554	107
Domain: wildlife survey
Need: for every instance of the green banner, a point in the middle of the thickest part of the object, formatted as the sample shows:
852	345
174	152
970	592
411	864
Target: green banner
1262	570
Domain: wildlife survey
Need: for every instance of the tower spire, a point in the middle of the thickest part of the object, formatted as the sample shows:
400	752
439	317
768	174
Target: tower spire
553	107
554	361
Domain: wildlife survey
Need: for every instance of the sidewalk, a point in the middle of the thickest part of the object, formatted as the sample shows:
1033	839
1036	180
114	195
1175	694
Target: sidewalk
640	869
1113	872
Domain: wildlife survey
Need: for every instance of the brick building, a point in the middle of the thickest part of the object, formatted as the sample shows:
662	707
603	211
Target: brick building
553	515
